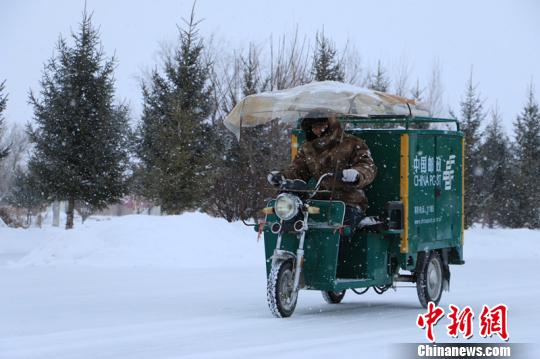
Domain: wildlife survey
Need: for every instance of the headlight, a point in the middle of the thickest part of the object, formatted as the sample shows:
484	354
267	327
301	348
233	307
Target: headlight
286	206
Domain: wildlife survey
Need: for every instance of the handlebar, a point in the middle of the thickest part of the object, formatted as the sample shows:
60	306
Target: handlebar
316	189
301	186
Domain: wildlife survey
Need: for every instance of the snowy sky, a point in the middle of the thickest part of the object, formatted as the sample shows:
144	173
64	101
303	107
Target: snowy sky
499	38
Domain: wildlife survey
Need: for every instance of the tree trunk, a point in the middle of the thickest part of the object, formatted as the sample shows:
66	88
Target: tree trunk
28	218
56	213
69	213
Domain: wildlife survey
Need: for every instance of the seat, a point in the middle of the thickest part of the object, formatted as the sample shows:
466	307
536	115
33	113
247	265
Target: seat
371	224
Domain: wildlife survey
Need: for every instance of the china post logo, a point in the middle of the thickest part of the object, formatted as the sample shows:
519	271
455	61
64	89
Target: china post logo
448	173
433	171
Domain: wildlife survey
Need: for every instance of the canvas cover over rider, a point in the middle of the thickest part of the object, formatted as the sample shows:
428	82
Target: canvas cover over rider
328	149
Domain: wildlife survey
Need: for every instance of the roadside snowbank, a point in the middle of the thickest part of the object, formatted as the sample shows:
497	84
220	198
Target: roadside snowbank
195	240
501	243
191	240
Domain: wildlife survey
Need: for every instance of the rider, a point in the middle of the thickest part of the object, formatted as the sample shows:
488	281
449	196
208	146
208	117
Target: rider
329	149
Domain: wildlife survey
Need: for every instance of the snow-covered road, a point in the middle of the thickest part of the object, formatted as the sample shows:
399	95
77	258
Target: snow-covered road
87	307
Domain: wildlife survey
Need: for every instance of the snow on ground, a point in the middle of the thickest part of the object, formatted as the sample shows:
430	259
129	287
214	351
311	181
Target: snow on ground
192	240
192	286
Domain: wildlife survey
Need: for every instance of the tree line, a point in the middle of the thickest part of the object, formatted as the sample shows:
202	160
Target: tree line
179	155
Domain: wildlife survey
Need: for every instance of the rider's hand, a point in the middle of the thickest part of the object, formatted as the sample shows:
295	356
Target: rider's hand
350	175
275	178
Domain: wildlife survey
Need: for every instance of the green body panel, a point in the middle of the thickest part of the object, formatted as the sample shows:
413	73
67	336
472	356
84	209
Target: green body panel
422	187
320	245
434	213
435	192
367	256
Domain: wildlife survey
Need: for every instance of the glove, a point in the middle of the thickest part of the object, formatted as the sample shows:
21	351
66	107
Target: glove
275	178
350	175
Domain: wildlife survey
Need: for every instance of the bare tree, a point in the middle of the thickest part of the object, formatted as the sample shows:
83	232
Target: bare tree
351	63
417	92
435	90
245	163
225	82
232	83
401	82
290	62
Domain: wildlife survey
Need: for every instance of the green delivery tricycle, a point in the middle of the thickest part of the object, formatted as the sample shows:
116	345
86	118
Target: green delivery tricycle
412	233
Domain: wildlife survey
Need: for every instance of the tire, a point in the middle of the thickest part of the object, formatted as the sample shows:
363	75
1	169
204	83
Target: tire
281	299
430	279
333	297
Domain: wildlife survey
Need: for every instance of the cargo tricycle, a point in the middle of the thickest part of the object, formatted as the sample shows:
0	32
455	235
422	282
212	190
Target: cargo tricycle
412	232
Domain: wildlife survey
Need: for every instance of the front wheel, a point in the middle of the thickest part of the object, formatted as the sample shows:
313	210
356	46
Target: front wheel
333	297
279	289
429	280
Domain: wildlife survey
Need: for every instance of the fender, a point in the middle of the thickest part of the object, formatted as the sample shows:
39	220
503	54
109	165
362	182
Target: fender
281	255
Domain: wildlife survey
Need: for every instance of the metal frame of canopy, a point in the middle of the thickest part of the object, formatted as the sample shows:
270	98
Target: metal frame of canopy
406	119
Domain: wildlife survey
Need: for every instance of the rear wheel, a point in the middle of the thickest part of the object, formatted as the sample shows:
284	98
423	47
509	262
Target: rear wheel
279	289
429	279
333	297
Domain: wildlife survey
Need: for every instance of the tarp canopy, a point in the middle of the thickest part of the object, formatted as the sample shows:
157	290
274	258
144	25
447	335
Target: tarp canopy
289	105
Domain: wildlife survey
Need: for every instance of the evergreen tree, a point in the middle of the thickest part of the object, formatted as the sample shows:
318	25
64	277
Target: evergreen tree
526	196
4	151
175	138
495	182
417	94
25	193
325	63
252	82
80	138
18	142
379	81
472	115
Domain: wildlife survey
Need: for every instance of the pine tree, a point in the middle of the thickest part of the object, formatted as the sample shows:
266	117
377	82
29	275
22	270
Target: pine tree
18	142
526	196
80	137
326	66
25	193
417	94
496	180
252	82
4	151
472	115
175	139
379	81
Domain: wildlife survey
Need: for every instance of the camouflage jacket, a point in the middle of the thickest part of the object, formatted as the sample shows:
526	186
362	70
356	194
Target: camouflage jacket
334	152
